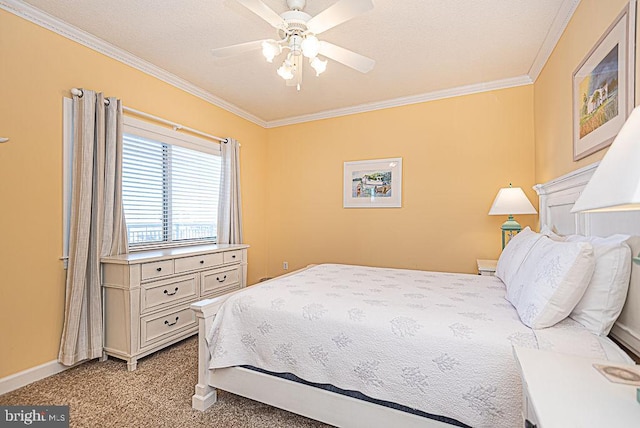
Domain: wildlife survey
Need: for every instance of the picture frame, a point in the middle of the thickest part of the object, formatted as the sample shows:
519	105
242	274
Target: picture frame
373	183
603	87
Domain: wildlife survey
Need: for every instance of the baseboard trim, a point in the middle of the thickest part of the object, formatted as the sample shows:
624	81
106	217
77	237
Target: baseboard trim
25	377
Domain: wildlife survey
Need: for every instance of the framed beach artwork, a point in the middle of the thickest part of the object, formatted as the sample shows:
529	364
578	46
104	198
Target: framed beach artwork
373	183
603	87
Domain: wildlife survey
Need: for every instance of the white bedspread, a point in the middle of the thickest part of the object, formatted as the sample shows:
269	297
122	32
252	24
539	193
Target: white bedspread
437	342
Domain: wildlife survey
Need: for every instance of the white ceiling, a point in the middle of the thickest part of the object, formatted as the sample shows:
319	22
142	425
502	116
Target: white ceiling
421	47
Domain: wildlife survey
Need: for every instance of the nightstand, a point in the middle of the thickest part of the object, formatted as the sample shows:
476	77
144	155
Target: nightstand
486	267
564	391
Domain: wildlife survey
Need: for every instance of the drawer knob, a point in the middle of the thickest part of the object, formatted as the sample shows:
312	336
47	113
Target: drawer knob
201	262
233	257
169	324
221	280
159	269
171	294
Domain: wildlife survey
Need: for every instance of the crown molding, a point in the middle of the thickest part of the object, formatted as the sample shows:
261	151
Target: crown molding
558	26
413	99
67	30
64	29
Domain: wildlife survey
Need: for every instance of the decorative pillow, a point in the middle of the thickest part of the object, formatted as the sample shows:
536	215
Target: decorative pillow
514	254
551	233
551	281
607	291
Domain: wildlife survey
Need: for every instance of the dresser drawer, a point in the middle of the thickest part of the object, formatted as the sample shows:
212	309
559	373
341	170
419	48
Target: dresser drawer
156	294
186	264
156	327
219	291
157	269
219	278
232	256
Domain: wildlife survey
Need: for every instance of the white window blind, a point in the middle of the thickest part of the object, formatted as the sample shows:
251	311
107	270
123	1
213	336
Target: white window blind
170	192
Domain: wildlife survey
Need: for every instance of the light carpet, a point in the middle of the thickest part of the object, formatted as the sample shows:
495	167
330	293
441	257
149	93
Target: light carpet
157	394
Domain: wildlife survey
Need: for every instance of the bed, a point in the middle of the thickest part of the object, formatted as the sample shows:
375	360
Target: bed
374	347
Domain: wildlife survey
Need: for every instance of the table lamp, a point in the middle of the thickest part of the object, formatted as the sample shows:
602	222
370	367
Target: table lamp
615	184
510	201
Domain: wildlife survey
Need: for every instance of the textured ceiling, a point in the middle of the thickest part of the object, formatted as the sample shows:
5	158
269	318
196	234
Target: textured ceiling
420	46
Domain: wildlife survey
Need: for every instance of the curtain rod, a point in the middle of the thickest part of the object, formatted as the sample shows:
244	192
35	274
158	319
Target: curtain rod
175	126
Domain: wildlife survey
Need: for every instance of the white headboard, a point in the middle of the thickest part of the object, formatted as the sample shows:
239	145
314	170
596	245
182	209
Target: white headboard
556	200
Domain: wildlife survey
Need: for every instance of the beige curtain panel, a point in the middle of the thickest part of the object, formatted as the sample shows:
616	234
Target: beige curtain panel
97	221
230	203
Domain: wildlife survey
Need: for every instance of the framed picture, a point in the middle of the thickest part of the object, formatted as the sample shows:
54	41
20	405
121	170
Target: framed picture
373	183
603	87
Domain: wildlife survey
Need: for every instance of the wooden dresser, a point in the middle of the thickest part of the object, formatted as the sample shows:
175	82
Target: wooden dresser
147	294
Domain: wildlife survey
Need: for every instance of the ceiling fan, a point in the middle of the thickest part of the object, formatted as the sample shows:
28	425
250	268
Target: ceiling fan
296	33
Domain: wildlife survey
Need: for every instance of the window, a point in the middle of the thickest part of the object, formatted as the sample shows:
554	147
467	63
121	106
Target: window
170	186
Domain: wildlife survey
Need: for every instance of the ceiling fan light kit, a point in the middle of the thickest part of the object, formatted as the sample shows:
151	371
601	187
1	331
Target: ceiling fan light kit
310	46
270	50
319	65
286	70
297	31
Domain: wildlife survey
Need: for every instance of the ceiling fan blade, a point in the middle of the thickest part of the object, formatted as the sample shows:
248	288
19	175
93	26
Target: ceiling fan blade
340	12
264	12
238	49
349	58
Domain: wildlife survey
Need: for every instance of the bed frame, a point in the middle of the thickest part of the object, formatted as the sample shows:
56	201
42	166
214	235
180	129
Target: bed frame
556	200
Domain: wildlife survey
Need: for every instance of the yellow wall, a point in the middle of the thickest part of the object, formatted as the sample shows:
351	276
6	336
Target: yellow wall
553	89
38	69
456	152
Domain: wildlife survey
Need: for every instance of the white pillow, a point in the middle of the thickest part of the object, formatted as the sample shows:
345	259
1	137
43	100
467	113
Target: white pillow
607	291
551	233
514	254
551	281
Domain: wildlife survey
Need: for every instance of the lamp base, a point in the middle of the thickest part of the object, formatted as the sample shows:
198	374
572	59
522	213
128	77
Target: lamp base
509	229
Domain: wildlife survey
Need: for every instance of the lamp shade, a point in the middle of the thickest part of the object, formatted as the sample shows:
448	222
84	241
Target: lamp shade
615	184
511	200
